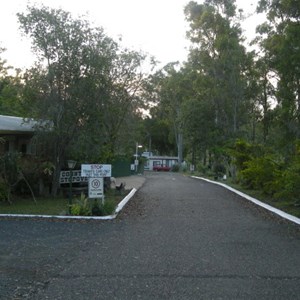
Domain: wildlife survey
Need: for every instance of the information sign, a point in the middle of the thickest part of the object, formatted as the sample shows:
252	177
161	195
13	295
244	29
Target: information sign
96	170
76	177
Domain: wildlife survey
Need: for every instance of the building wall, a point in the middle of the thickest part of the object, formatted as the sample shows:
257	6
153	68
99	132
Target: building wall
161	161
19	143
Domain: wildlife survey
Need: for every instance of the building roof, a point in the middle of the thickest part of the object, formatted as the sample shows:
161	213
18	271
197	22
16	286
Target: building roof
13	125
163	157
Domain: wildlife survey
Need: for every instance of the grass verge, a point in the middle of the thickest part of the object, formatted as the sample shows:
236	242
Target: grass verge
49	206
287	206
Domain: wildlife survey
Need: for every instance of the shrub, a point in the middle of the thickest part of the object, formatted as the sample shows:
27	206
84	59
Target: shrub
175	168
202	169
85	207
81	207
241	152
97	209
103	209
9	173
261	173
4	192
288	185
109	207
219	170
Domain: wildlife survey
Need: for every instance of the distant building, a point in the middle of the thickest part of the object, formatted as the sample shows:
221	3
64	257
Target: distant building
161	163
147	154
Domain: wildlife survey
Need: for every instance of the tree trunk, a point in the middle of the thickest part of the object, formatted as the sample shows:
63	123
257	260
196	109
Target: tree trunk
56	175
55	182
180	148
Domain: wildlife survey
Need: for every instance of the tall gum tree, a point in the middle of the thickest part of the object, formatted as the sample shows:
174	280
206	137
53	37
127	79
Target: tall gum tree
280	42
218	53
173	89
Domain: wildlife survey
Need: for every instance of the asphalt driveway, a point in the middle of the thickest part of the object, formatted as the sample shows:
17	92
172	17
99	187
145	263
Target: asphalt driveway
178	238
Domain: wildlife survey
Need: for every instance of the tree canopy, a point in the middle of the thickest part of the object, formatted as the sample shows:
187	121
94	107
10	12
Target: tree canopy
83	88
225	108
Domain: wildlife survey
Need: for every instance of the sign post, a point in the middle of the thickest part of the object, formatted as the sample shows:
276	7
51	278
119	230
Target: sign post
96	174
96	187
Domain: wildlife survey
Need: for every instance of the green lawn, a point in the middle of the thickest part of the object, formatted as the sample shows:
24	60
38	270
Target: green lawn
286	206
44	206
48	206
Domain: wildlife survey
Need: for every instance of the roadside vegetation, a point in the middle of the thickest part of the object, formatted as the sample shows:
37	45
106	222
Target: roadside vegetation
290	207
227	110
259	173
59	206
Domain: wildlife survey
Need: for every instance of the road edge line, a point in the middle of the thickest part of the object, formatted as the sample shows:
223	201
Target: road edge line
255	201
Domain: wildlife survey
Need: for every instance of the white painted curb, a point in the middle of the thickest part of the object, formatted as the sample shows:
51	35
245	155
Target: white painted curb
255	201
124	201
119	207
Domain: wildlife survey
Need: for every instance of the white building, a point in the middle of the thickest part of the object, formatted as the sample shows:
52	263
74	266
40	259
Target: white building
161	163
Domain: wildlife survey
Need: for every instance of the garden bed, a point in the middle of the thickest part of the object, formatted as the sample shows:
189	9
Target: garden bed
56	206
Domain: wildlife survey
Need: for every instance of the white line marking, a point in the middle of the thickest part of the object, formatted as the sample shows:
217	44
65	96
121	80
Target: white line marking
255	201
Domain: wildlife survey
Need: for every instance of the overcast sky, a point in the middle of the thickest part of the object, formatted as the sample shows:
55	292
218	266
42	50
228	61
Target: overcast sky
156	27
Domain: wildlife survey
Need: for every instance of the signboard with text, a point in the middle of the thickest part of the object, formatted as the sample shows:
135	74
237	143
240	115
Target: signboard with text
76	177
96	170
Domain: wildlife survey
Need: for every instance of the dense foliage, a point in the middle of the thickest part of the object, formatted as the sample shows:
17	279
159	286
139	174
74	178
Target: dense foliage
84	91
226	110
238	111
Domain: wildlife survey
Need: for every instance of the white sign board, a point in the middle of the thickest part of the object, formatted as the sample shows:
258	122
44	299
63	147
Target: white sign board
96	187
76	177
96	170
